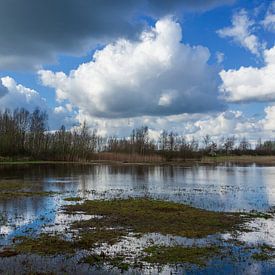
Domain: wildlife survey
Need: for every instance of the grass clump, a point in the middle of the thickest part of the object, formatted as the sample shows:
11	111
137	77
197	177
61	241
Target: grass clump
19	194
3	219
99	260
266	253
13	185
92	238
45	245
15	189
262	256
163	255
149	216
73	199
8	253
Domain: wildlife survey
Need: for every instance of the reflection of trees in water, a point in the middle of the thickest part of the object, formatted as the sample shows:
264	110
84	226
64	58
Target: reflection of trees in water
226	187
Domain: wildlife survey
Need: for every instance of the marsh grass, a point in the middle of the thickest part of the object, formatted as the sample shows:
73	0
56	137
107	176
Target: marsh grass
266	253
154	216
73	199
140	216
46	244
163	255
102	259
14	189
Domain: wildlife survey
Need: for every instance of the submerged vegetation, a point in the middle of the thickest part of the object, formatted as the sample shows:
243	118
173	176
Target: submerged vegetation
25	136
11	189
163	255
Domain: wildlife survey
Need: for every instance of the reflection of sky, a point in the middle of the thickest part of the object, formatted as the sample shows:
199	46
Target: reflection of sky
215	188
222	188
27	215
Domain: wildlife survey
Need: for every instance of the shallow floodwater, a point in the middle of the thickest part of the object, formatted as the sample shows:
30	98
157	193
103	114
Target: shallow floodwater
227	188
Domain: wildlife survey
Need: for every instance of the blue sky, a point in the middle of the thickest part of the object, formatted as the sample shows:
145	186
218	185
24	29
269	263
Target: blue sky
165	80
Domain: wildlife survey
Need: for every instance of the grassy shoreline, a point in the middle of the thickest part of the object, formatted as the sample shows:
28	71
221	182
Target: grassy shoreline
244	159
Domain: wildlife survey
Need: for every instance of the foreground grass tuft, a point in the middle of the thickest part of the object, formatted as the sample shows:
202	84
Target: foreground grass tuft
44	245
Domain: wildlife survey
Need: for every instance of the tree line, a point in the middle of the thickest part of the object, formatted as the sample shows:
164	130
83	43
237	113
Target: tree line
25	134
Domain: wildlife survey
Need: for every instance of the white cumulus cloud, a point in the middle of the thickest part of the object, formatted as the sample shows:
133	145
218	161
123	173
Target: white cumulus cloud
157	75
18	96
14	95
250	83
241	32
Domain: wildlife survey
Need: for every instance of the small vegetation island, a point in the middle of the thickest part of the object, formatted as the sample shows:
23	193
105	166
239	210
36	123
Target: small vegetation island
24	136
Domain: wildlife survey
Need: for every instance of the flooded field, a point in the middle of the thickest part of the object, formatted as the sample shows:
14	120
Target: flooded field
54	204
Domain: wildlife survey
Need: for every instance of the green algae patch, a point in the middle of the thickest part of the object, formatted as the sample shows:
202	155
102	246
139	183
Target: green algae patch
155	216
163	255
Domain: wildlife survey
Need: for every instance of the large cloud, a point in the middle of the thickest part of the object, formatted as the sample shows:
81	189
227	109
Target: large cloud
250	83
157	75
217	125
33	31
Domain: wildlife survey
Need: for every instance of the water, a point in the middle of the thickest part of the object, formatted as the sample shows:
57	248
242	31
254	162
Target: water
220	188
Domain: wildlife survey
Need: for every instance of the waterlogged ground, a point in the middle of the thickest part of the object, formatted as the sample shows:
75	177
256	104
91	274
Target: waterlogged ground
50	221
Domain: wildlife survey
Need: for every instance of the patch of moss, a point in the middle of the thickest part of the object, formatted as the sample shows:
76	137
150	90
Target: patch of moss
163	255
149	216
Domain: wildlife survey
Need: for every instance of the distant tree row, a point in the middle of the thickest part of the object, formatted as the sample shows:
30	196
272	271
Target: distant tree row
25	134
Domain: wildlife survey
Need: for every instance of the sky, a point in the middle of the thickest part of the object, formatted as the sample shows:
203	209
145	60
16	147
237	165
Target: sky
192	67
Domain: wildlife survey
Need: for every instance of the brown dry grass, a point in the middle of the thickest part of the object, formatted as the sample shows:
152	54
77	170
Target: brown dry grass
123	157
